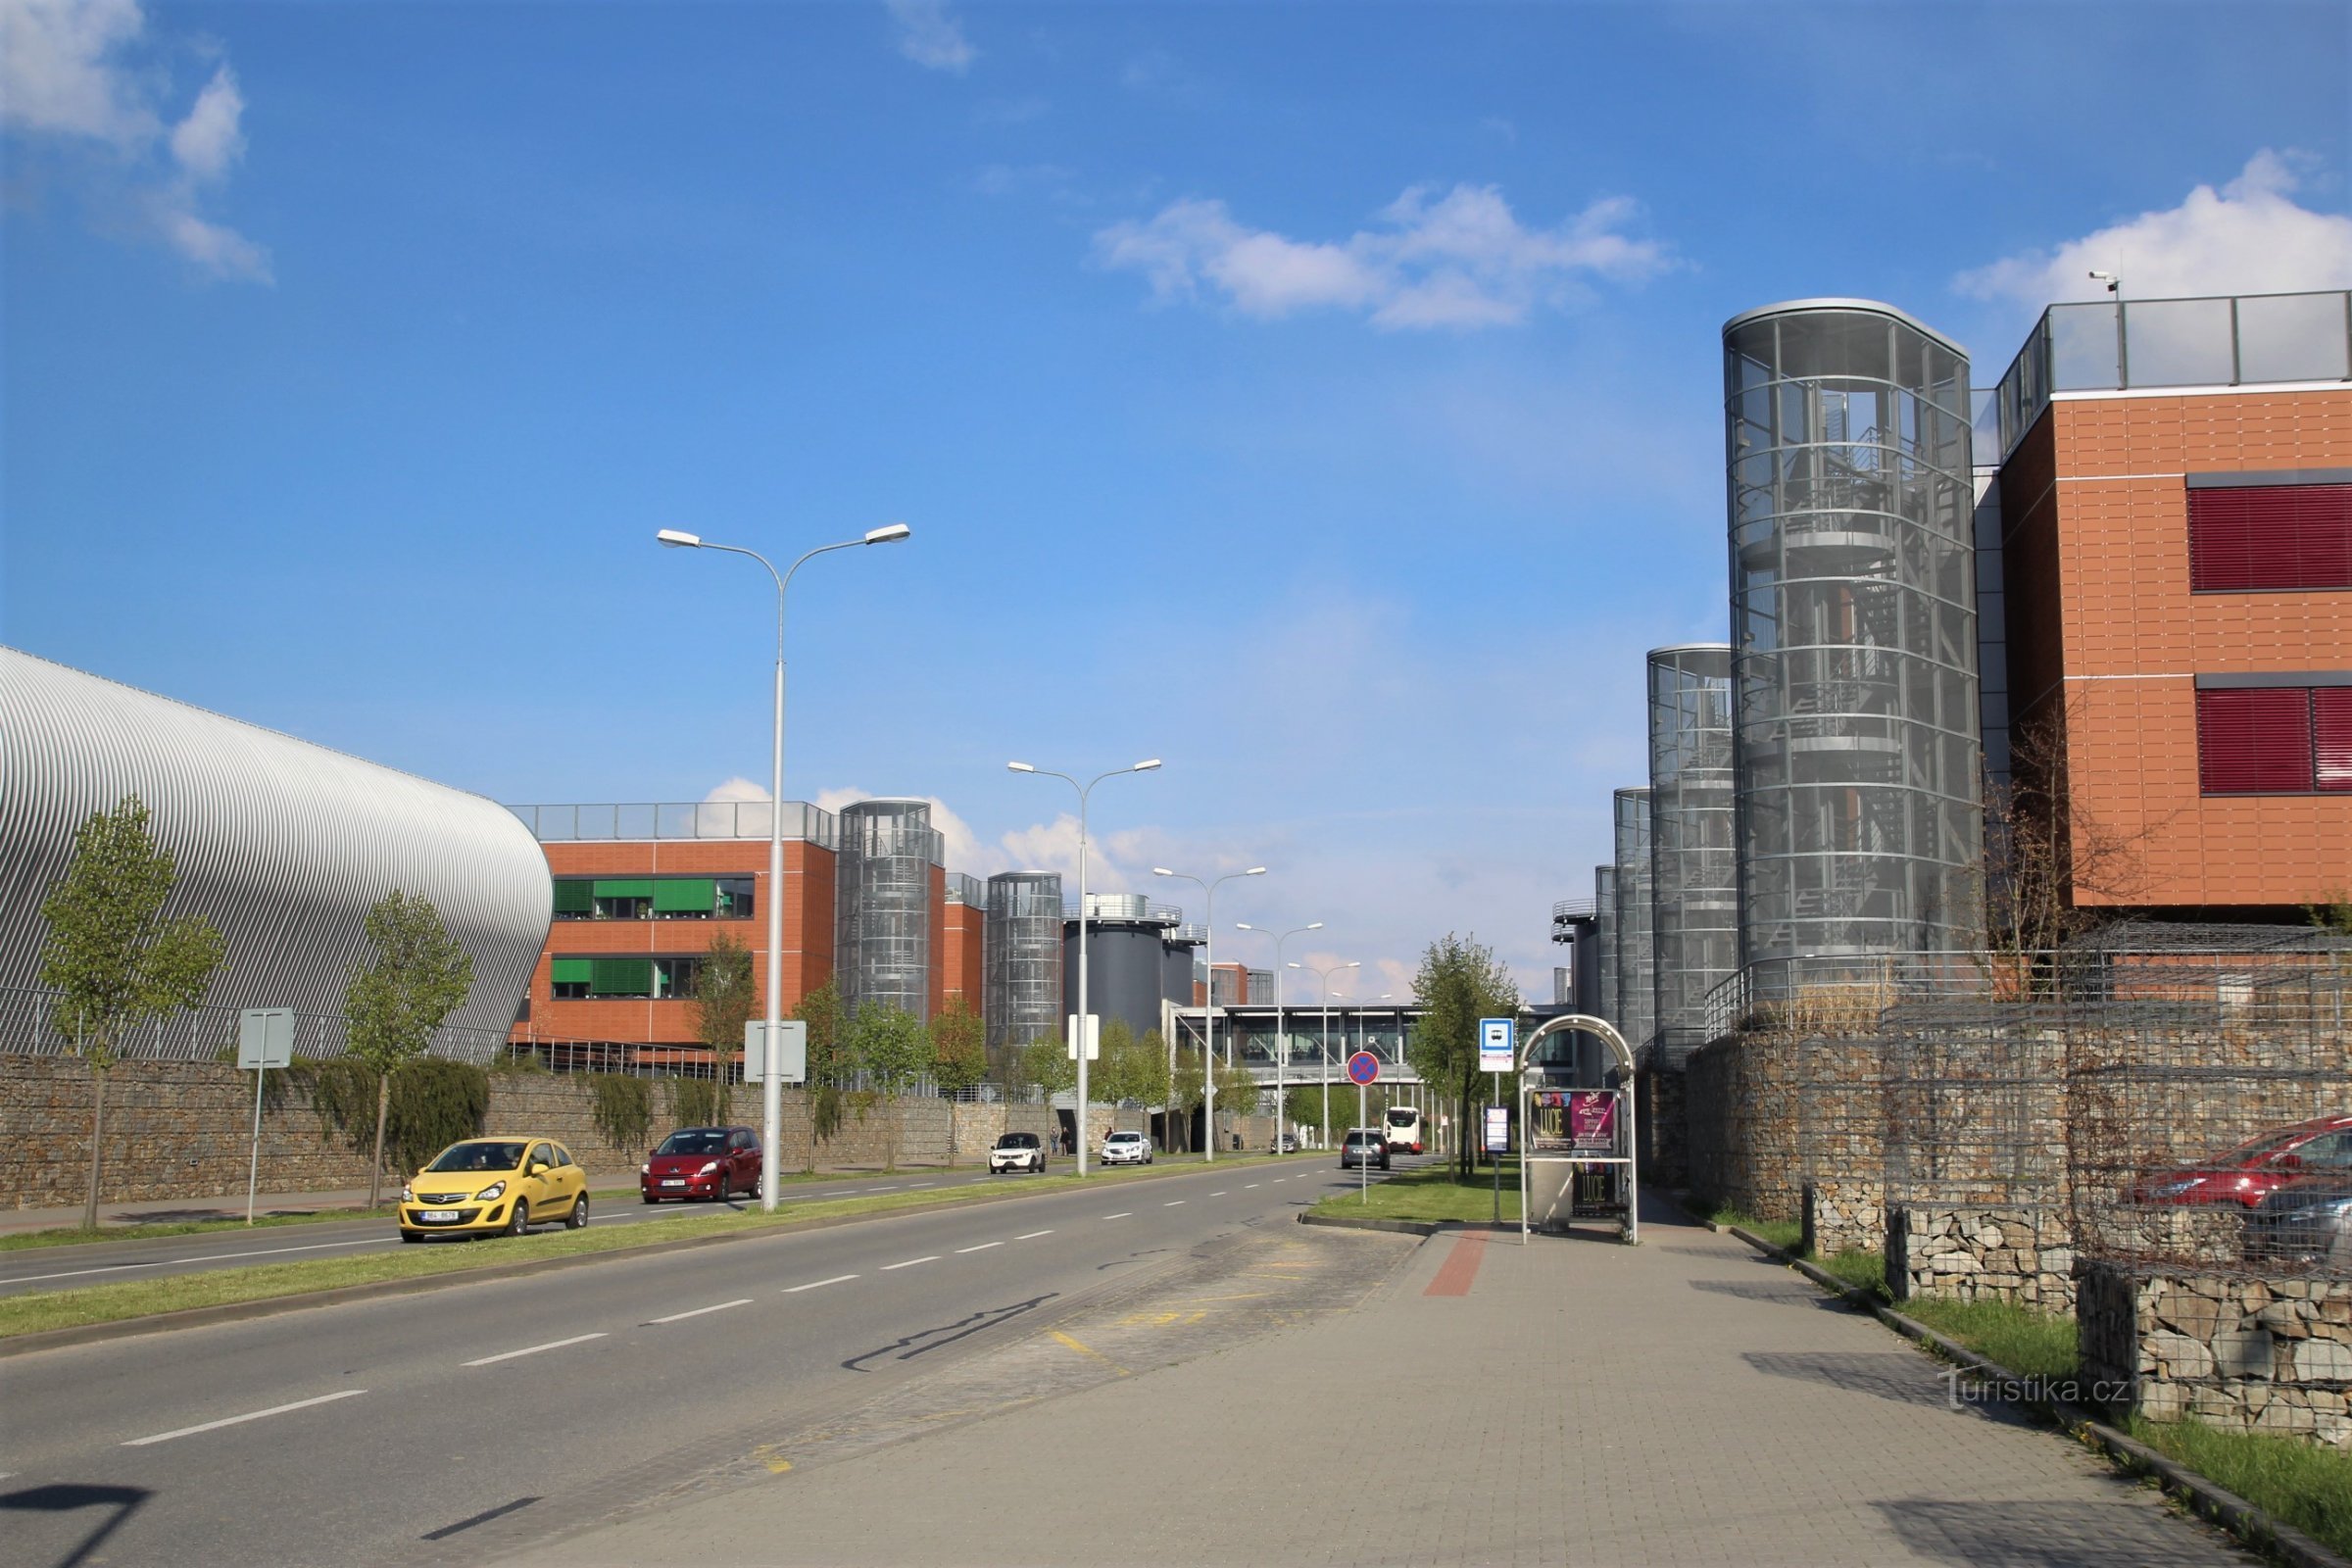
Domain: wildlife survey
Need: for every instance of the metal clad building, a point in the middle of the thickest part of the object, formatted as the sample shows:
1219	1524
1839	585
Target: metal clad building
1604	942
1694	874
1853	631
282	845
1023	942
1637	977
882	943
1129	937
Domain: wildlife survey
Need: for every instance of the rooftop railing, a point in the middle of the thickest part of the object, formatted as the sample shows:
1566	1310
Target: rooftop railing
635	822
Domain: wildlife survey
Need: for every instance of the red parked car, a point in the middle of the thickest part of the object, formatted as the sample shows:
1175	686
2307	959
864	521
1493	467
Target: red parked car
2256	1168
715	1163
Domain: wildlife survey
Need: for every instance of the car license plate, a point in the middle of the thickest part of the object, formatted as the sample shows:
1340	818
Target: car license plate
679	1182
437	1213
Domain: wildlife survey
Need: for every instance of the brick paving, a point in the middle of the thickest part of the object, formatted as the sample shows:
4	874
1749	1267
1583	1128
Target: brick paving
1681	1402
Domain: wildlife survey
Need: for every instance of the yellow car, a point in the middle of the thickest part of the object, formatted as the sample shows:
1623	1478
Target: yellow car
489	1185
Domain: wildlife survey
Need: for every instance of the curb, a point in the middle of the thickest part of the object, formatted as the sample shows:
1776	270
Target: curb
2249	1524
303	1301
1396	1227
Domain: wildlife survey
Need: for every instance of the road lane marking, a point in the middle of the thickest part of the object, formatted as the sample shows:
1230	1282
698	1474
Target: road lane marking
1032	1236
1087	1350
910	1262
982	1247
1216	1194
199	1257
838	1279
1124	1213
534	1350
680	1317
235	1420
1171	1202
1249	1186
920	1186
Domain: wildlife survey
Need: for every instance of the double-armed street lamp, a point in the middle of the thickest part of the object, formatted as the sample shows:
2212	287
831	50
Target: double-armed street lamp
1209	1011
1282	1043
1324	977
771	1083
1080	1034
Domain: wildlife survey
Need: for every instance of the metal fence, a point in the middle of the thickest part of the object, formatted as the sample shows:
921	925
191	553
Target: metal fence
637	823
29	1026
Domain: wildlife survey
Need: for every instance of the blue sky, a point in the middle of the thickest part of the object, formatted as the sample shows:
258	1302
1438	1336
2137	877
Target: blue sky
1322	398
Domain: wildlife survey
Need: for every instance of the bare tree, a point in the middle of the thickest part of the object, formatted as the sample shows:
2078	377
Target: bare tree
2044	851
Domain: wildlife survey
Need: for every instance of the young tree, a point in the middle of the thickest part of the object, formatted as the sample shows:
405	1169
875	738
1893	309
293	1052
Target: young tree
958	1047
393	1005
1459	982
1148	1075
2044	852
1046	1063
1113	1077
820	1009
114	961
725	999
892	1046
1238	1092
1185	1088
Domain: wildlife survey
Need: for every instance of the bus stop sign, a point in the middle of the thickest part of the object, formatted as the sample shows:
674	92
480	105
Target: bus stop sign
1362	1067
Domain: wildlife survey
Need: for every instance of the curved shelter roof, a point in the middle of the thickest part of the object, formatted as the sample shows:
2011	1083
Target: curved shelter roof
282	845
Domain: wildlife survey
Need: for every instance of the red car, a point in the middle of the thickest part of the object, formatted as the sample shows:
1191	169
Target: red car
715	1163
2256	1168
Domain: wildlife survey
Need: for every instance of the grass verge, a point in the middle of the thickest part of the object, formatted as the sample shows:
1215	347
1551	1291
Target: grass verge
1782	1232
2297	1483
1432	1192
1857	1269
2030	1343
75	1235
36	1313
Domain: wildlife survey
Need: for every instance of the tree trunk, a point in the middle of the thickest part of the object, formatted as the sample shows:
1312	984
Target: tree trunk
375	1170
90	1207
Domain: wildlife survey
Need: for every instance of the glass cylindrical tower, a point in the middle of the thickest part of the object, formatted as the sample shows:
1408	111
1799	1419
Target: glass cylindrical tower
1021	961
1694	877
1604	940
882	906
1637	976
1856	746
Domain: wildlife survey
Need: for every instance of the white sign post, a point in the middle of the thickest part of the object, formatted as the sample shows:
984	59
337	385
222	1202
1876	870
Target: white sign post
792	1039
1093	1036
1497	1049
265	1040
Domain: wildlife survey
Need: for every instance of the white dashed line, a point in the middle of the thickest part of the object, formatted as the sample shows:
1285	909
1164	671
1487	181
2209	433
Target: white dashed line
814	1284
1032	1236
910	1262
199	1257
920	1186
680	1317
982	1247
534	1350
1171	1202
1249	1186
1216	1194
234	1420
1124	1213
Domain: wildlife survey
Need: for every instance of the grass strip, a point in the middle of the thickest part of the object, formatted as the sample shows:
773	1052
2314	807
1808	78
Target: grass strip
1432	1192
1859	1269
2029	1344
1787	1234
34	1312
2297	1483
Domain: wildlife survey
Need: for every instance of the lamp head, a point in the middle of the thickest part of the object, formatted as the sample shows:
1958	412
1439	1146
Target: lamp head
679	539
1352	964
1162	870
1243	925
1145	766
1316	925
1255	870
1021	767
888	533
1296	964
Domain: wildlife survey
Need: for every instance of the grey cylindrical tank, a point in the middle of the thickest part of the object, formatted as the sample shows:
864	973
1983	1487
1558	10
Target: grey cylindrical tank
1604	942
1693	876
1856	737
882	904
1637	978
1126	933
1021	960
1178	955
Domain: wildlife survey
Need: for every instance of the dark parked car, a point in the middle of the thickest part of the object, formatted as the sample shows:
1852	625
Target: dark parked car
715	1163
2305	1223
1364	1146
2249	1173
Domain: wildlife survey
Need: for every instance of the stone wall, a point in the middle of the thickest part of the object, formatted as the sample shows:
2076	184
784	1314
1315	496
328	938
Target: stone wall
2265	1354
1844	1216
1664	1152
2024	1256
185	1130
1766	1112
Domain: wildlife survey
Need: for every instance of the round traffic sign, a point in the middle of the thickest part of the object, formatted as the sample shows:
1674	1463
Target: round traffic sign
1362	1067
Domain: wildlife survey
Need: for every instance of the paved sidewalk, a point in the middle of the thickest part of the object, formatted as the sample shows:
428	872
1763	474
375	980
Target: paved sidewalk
1683	1402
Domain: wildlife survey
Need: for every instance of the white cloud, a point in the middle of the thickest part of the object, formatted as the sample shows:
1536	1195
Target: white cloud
2247	237
737	787
1458	260
930	38
209	140
957	841
68	75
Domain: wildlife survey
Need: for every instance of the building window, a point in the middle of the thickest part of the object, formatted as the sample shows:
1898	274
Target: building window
648	898
2243	538
654	979
2274	740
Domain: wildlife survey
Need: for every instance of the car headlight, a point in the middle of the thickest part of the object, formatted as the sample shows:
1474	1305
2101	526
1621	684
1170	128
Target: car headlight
406	1196
646	1169
708	1169
493	1190
2176	1189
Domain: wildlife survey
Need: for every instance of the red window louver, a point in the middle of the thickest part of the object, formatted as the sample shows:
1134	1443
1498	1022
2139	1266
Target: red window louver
2332	732
2255	741
2249	537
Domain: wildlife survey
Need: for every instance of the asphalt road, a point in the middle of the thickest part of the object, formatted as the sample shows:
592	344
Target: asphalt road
381	1432
85	1263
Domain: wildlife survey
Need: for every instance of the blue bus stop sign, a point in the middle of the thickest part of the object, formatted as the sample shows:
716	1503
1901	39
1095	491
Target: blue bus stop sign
1362	1067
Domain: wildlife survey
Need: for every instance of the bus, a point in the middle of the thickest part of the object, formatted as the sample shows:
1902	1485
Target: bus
1405	1130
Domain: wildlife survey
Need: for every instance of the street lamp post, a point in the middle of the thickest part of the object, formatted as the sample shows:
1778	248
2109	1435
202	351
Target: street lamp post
772	1082
1079	1033
1324	977
1282	1044
1209	1011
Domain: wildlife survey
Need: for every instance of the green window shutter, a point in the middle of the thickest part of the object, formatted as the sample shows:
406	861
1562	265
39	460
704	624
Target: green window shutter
692	894
574	896
567	970
624	888
621	977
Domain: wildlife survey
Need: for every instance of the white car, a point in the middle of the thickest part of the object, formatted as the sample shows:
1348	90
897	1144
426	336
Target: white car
1018	1151
1126	1149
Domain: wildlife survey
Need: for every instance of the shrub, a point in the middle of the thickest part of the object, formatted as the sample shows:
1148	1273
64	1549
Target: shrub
623	1112
434	1103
